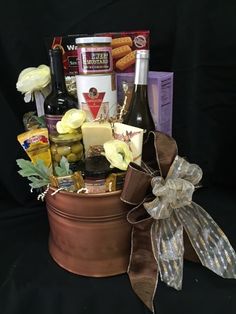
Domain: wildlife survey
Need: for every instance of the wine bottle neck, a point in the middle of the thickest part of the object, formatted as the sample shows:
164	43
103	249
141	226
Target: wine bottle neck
141	72
57	73
141	90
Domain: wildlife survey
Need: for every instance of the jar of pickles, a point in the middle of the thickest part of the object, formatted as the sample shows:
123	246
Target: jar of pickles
68	145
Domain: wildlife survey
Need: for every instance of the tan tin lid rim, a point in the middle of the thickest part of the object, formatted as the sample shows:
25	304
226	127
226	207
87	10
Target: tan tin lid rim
91	40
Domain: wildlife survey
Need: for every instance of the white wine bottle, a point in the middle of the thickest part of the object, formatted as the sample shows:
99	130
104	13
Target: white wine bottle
139	114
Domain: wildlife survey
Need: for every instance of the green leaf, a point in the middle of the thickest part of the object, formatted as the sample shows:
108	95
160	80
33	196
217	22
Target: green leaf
40	164
37	173
64	164
60	172
64	168
41	121
30	169
37	183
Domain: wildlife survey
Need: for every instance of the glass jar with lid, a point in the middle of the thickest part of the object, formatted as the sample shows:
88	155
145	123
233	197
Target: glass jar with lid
96	170
94	55
68	145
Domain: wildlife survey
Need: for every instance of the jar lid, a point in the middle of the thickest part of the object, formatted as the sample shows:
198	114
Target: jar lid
66	138
97	167
93	40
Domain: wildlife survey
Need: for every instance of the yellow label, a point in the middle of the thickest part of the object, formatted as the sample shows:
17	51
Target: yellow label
36	145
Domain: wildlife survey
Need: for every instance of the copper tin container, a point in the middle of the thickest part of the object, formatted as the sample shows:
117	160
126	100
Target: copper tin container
89	233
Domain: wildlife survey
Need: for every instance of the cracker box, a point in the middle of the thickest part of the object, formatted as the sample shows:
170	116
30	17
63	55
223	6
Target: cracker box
69	55
124	45
160	95
69	49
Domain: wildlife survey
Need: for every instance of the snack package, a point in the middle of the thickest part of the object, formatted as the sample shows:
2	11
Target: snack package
36	145
124	45
115	181
70	183
69	53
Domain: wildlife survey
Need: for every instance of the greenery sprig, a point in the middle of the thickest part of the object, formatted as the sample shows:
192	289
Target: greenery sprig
39	174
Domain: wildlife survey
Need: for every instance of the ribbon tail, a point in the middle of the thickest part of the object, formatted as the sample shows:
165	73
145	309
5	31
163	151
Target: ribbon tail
208	240
142	270
167	236
39	100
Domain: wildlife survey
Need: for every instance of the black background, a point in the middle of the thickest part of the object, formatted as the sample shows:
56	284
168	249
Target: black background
194	39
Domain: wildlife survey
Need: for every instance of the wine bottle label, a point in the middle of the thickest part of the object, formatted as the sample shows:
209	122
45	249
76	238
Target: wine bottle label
51	121
92	60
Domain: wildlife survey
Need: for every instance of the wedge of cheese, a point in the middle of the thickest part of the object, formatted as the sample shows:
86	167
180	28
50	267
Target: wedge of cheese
95	133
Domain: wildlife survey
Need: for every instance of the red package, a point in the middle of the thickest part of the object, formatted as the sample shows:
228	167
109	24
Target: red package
124	45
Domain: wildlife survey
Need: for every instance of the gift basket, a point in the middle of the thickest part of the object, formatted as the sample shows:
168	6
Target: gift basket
118	195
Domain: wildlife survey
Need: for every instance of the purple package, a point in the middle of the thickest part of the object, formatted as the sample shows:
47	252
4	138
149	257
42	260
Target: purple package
160	95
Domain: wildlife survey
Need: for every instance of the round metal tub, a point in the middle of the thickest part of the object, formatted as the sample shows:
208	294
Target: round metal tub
89	233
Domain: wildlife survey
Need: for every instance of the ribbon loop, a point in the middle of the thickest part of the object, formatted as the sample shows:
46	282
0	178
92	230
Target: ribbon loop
180	168
137	215
136	185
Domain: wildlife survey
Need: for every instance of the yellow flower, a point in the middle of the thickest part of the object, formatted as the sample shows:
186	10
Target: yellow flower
72	120
33	79
118	154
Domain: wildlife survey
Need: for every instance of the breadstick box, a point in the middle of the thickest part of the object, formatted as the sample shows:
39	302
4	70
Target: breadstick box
160	96
124	45
69	57
69	50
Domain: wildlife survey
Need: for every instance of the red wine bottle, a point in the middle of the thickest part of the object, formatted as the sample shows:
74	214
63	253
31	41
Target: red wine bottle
139	114
59	100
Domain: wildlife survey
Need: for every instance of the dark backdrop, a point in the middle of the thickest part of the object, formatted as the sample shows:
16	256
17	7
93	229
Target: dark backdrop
195	40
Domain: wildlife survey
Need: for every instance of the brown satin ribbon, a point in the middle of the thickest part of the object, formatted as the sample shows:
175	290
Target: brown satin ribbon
161	149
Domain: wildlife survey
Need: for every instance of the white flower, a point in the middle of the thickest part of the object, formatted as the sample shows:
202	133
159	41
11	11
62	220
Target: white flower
118	154
33	79
71	120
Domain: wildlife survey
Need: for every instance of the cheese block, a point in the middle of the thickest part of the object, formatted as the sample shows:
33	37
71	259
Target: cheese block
95	133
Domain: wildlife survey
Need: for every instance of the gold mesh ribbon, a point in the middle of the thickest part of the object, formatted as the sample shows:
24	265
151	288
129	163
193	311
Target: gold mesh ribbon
158	224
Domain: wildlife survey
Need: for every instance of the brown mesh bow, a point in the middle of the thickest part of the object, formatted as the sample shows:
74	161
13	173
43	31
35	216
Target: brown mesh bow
163	210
